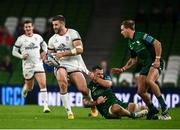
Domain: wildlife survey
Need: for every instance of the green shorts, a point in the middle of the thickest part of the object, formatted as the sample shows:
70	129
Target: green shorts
145	68
104	108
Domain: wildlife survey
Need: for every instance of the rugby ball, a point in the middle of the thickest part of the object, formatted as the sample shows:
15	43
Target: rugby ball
52	59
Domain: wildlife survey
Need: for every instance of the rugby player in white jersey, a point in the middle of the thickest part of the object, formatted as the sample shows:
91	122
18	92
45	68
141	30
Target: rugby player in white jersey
27	48
67	47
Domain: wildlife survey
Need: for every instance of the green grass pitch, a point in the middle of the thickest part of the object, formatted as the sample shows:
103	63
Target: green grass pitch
31	116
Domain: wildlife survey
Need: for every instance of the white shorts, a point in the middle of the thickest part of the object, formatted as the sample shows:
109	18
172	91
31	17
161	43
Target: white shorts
29	69
71	68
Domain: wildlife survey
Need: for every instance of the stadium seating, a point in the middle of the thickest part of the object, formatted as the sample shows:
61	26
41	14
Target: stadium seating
11	24
172	71
26	18
114	80
126	79
40	24
77	13
166	31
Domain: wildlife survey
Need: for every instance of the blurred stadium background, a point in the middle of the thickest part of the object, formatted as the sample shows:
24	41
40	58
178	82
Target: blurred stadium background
98	22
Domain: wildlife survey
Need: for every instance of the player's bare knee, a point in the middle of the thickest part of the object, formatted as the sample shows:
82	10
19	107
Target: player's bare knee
84	91
42	85
149	81
29	87
115	109
63	85
140	92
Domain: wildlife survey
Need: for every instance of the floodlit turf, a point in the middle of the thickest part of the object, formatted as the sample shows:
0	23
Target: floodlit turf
31	116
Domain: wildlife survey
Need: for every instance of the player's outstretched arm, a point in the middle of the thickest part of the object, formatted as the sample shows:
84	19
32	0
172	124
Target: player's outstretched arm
128	65
158	50
89	103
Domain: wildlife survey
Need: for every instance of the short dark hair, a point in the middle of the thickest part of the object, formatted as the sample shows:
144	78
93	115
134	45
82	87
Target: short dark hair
59	18
27	21
96	67
129	24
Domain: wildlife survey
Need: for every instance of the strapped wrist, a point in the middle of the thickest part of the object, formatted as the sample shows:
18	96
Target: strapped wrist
158	57
74	51
123	69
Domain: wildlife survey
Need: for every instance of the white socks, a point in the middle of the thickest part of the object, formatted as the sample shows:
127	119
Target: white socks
44	97
66	104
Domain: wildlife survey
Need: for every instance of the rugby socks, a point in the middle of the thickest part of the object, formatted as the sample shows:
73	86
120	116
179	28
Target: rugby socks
66	104
151	106
133	115
44	97
162	103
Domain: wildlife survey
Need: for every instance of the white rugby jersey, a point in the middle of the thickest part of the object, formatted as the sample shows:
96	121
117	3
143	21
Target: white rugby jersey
31	46
60	43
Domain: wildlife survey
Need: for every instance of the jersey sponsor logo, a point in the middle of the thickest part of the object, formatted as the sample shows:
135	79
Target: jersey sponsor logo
135	44
138	42
93	89
62	47
67	38
56	41
31	46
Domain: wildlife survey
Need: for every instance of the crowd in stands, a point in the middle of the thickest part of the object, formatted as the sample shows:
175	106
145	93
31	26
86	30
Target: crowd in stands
158	15
6	41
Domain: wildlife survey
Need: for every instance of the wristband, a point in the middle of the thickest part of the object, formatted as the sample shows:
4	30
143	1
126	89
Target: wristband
158	57
74	51
123	69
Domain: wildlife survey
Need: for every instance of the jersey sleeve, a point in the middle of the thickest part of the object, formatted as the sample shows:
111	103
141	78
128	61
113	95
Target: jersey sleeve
41	40
107	78
18	43
50	44
148	39
17	46
43	44
75	35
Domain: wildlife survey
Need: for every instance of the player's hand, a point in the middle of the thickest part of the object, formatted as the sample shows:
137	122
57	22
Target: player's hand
117	70
47	62
91	75
43	56
156	63
101	100
25	56
58	55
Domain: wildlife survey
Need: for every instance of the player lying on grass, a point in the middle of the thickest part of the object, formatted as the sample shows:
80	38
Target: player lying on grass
105	100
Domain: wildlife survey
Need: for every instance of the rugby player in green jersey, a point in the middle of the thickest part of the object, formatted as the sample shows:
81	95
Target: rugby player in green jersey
105	100
148	49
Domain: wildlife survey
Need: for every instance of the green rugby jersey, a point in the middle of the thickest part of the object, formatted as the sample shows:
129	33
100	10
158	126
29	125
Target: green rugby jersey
97	90
142	46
